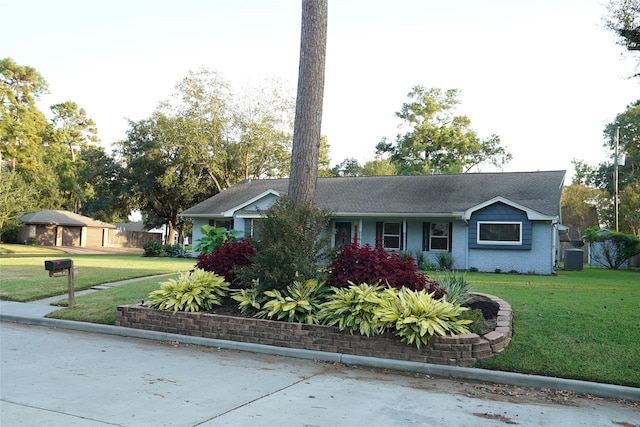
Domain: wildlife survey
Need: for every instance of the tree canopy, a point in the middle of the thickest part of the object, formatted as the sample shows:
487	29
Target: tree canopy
436	140
627	126
201	140
623	18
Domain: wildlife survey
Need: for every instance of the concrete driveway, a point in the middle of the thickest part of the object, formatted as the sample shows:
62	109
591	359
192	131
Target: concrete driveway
59	377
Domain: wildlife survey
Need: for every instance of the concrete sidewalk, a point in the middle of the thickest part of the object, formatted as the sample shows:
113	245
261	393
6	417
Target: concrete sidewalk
61	377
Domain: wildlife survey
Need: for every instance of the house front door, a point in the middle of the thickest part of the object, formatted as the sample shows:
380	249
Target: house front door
343	234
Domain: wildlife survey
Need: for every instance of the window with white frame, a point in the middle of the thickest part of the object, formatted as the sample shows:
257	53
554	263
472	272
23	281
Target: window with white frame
499	233
439	236
392	235
436	236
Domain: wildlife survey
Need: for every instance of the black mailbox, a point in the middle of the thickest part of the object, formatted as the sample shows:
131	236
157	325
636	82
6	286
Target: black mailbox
57	264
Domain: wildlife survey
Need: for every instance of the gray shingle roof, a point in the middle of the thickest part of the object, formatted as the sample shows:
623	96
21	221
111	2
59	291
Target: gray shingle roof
55	217
418	194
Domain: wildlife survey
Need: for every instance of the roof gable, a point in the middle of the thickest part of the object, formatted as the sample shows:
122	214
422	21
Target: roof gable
261	196
531	214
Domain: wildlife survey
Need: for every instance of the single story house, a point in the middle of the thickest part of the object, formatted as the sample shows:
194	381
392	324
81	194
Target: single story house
509	221
64	228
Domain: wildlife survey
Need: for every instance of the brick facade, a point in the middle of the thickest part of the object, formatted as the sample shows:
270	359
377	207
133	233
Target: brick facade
460	350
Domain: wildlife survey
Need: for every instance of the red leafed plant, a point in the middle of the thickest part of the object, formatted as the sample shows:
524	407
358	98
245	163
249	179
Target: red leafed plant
226	258
365	264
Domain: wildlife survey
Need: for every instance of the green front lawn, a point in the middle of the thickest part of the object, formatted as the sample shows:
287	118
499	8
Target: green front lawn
578	324
100	307
22	250
25	279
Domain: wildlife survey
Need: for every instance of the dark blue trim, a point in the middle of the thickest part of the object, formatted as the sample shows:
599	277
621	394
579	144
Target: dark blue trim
500	212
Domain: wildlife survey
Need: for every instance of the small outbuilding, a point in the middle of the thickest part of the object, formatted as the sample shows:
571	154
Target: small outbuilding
64	228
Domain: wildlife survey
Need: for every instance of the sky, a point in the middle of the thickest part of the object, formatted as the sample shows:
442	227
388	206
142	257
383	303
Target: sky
543	75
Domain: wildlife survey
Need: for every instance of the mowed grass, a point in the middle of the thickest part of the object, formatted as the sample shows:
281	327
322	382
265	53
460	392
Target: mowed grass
580	324
20	250
101	306
25	279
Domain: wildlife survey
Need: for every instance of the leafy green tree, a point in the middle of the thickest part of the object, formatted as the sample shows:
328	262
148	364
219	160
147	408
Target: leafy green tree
308	117
197	118
379	167
71	133
231	137
262	126
23	124
162	175
102	183
630	208
23	128
348	167
436	140
627	126
324	161
612	248
623	19
584	207
16	197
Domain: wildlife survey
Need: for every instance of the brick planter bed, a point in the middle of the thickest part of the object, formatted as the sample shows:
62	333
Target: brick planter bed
460	350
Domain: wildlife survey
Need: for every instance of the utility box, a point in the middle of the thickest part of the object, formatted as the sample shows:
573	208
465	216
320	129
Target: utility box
573	259
58	264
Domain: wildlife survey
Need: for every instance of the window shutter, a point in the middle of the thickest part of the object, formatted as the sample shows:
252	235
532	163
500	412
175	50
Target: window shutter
402	236
379	232
426	231
450	235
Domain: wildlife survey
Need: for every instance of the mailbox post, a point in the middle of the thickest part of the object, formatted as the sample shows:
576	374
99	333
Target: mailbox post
62	267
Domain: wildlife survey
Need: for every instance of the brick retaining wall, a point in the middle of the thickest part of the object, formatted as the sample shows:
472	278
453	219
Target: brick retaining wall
460	350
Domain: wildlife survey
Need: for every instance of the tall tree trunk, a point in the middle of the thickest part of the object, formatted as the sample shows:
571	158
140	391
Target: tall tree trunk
308	118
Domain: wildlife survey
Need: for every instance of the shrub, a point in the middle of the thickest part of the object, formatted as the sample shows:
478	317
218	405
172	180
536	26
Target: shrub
444	260
173	251
456	286
152	248
614	249
214	237
415	316
364	264
226	258
354	308
473	269
289	247
193	291
299	303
